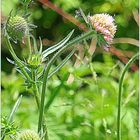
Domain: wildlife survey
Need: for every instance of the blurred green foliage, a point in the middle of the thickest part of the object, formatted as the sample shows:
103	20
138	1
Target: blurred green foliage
86	109
83	110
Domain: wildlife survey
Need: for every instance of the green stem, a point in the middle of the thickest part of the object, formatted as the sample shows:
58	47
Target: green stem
36	94
120	94
45	130
29	45
35	88
46	72
18	61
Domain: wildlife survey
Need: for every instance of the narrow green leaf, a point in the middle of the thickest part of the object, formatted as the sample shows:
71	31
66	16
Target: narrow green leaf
61	64
34	44
40	49
83	15
10	61
18	69
14	109
53	95
57	46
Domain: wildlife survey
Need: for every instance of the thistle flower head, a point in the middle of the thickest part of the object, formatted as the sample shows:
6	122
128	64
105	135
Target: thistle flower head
28	135
17	27
104	24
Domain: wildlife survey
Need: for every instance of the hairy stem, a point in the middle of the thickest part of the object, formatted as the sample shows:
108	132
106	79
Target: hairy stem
120	94
46	72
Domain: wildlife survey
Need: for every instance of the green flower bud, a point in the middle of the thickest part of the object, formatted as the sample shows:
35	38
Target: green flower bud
28	135
17	27
35	60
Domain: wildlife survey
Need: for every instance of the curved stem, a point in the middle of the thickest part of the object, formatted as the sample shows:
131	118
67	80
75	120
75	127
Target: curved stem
18	61
120	94
71	43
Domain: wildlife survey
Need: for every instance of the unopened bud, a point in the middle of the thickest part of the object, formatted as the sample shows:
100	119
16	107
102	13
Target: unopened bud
16	27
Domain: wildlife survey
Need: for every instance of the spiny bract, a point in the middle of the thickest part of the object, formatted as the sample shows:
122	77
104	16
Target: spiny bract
28	135
16	27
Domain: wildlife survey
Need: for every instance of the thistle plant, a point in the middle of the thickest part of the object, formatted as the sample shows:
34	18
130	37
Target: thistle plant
36	69
105	28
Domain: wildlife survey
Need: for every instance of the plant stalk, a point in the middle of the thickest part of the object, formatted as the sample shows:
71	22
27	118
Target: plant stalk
46	72
18	61
36	94
120	94
35	88
29	44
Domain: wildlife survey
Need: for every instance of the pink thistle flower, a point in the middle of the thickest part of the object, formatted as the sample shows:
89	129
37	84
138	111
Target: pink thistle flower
104	24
